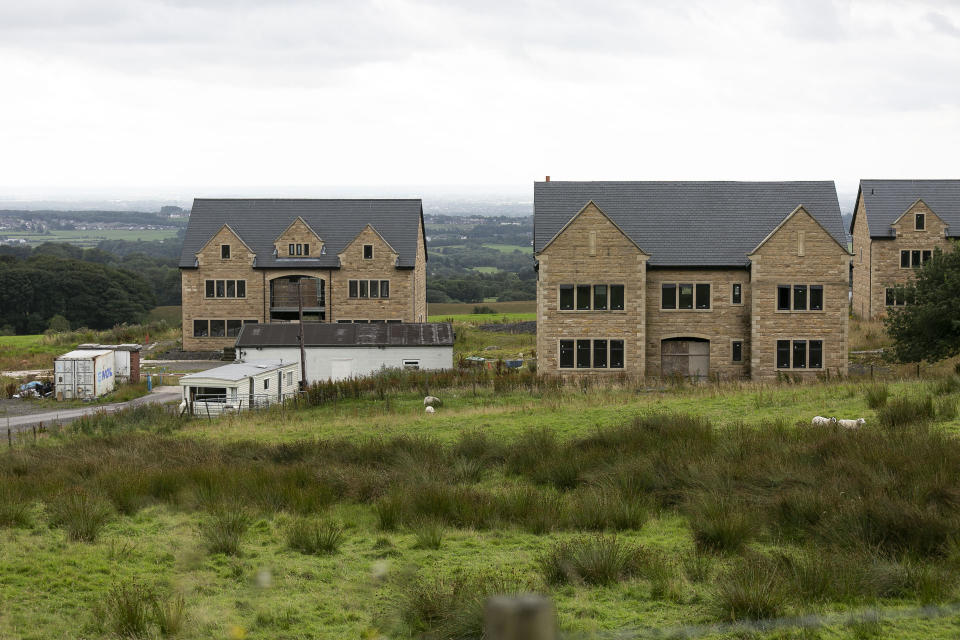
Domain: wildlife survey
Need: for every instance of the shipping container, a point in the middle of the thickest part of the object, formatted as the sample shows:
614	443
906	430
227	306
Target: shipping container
84	373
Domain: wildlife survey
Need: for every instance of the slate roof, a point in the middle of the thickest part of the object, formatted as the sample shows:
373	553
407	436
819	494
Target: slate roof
688	223
886	200
237	370
259	222
326	334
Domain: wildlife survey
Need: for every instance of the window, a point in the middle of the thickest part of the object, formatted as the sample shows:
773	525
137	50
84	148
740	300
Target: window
616	297
233	328
915	258
599	354
806	354
299	249
289	378
583	354
896	296
783	297
616	354
925	256
225	252
668	296
799	297
225	288
904	259
816	354
583	297
736	297
736	351
816	297
368	252
783	354
919	221
799	354
566	297
685	296
250	321
368	288
703	296
306	249
200	329
566	354
412	365
600	297
218	328
266	383
291	249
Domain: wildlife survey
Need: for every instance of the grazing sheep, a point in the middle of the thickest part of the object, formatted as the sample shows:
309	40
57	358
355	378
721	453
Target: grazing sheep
820	421
430	409
432	401
852	424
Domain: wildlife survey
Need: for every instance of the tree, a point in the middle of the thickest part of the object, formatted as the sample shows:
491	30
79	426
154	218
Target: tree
928	327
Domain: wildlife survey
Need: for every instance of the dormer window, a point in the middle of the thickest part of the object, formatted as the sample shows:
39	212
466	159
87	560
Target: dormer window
368	252
920	221
225	252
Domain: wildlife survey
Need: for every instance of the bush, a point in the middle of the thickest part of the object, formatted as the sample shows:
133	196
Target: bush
81	514
223	531
753	589
599	560
906	411
721	524
483	310
314	537
876	395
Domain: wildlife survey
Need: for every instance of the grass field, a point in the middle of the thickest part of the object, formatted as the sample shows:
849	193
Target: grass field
367	518
172	315
484	269
509	248
466	308
91	238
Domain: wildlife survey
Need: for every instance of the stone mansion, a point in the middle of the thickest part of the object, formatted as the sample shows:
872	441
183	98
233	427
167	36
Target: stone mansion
693	279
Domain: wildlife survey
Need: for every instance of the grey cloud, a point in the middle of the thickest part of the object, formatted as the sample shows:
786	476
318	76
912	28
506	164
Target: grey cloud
943	24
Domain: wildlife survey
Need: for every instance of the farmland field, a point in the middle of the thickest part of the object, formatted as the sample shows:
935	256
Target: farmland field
437	309
366	518
510	248
90	238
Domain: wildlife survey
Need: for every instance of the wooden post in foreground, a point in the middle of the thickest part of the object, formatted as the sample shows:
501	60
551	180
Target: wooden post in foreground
526	617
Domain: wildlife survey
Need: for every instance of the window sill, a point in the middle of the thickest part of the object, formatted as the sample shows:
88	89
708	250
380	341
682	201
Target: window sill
590	369
686	310
576	311
801	311
801	370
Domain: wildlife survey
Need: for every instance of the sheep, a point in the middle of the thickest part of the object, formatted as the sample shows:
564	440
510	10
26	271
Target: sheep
430	409
820	421
432	401
852	424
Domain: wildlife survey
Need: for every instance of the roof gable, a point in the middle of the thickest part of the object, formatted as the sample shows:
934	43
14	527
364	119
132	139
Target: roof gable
886	201
801	211
337	221
578	214
688	223
216	233
363	231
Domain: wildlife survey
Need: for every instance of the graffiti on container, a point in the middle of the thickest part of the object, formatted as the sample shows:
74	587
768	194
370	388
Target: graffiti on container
103	374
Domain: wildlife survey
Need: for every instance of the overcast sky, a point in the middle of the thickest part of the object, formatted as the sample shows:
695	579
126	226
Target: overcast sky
291	96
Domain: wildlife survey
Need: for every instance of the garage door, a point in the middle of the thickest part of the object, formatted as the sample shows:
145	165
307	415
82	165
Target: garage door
685	357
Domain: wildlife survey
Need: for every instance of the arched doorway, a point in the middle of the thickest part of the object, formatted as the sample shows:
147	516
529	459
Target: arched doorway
283	299
686	357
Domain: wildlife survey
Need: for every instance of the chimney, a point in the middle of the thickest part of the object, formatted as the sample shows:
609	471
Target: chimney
548	179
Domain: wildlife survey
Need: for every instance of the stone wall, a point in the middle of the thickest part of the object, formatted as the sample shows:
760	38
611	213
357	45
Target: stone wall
353	266
568	260
885	268
723	323
779	261
299	232
860	303
420	279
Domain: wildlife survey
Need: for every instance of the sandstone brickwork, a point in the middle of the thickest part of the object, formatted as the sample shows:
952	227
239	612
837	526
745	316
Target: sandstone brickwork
382	266
860	302
299	233
883	270
778	262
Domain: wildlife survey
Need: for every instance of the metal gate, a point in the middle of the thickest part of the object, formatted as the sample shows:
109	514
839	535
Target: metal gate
685	357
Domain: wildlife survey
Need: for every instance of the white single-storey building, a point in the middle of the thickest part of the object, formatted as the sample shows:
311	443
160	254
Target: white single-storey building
335	351
239	386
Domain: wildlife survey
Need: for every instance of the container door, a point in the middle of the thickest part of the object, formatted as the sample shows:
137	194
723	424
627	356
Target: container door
83	371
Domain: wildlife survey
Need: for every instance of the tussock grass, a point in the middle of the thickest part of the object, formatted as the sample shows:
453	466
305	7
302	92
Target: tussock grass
129	607
429	535
753	589
80	513
223	531
907	410
721	524
597	560
876	395
316	537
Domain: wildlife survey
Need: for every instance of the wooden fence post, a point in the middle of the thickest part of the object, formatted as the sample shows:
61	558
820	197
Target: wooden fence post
526	617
